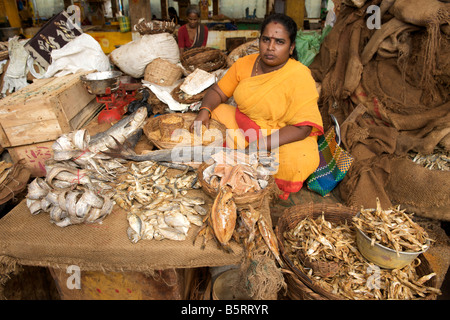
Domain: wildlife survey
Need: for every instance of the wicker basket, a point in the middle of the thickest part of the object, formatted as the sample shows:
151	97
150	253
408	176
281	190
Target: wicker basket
162	72
208	59
255	198
182	97
153	132
154	27
300	286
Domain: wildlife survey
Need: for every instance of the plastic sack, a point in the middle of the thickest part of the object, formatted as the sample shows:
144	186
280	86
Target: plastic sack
132	57
83	53
16	73
308	44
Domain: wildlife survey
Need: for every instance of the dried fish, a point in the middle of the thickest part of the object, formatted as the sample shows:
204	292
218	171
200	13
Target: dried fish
333	245
392	228
438	160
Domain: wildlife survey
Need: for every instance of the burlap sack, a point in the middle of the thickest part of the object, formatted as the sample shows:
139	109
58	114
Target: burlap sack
388	41
15	182
32	240
419	190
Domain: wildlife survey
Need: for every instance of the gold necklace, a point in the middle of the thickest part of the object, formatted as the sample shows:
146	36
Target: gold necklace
257	63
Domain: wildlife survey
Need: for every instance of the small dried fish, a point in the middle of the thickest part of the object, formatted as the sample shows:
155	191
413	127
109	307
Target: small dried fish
354	277
438	160
392	228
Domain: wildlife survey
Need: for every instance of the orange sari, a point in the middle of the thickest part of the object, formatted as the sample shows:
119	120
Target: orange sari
268	102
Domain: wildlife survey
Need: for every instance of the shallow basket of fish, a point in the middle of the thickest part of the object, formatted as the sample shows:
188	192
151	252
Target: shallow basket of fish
301	284
182	97
251	197
208	59
352	278
162	131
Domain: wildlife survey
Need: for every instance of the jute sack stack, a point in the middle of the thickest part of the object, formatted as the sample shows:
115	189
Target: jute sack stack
403	84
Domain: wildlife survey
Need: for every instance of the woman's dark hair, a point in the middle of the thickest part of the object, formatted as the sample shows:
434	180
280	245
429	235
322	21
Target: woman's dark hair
288	23
193	9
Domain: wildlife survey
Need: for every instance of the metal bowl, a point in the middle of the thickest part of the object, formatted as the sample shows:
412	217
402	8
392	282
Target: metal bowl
100	83
382	256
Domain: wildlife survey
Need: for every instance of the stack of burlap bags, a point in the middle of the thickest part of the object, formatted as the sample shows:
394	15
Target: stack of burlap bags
13	180
388	85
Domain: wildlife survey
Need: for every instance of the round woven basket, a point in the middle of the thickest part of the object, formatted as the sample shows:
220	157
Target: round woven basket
182	97
255	198
300	286
162	72
152	130
154	27
208	59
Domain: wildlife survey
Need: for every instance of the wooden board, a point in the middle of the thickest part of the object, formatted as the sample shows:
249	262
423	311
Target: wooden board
44	110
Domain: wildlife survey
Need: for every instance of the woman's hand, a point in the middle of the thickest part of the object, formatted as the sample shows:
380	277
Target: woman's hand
201	118
213	97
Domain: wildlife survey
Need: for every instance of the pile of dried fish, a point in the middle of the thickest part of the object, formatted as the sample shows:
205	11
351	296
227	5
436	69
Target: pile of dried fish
67	206
321	244
438	160
76	187
157	205
355	278
242	172
392	228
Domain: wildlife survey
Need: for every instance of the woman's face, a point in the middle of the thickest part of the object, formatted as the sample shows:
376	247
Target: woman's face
275	46
192	20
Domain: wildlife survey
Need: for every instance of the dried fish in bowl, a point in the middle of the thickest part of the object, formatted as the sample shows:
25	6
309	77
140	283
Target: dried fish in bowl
392	228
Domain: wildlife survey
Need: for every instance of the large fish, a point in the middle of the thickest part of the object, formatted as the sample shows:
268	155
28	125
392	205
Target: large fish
120	131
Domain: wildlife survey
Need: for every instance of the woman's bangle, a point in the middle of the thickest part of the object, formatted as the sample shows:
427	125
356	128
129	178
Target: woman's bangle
206	108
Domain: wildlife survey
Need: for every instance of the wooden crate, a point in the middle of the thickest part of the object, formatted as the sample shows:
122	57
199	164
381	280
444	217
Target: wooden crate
35	156
44	110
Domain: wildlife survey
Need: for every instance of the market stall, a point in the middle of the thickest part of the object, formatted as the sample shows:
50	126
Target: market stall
108	206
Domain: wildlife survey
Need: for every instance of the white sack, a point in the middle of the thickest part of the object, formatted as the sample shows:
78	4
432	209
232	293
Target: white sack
83	53
163	93
16	73
133	57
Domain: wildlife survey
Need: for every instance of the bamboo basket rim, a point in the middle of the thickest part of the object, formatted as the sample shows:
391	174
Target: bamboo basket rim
254	198
188	118
192	99
158	27
293	215
205	58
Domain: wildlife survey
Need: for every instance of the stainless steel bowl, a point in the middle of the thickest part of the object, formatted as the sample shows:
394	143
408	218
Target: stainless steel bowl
98	82
383	256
